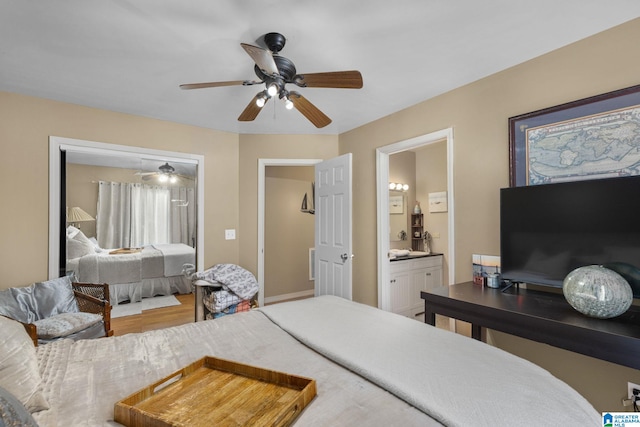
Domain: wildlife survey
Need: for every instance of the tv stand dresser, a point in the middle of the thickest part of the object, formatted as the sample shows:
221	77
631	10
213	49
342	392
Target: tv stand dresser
539	316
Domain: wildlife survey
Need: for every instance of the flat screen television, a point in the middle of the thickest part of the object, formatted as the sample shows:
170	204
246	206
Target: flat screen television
548	230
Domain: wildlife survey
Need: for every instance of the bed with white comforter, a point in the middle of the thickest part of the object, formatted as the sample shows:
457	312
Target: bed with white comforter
155	270
371	367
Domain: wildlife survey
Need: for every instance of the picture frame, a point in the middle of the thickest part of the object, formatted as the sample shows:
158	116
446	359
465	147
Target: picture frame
585	139
483	265
396	204
438	202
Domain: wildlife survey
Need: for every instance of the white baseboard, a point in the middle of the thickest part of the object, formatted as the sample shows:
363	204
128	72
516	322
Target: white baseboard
284	297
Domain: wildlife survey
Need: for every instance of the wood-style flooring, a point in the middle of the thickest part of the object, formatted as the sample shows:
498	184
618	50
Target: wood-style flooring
165	317
158	318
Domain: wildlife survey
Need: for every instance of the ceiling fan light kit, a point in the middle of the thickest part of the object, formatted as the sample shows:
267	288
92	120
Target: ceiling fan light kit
167	173
275	71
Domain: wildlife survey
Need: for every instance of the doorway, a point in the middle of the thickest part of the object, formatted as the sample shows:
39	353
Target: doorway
382	186
262	169
289	233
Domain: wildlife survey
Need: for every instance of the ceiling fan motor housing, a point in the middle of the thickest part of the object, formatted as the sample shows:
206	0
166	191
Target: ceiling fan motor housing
166	168
274	41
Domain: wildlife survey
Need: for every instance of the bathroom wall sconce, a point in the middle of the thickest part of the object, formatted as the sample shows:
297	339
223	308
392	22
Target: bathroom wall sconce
398	186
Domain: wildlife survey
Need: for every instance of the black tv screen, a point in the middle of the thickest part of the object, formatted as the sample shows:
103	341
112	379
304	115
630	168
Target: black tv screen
548	230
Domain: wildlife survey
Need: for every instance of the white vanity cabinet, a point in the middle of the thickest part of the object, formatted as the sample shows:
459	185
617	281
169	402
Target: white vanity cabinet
408	277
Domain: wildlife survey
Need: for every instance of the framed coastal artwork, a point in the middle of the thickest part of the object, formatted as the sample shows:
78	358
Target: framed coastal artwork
596	137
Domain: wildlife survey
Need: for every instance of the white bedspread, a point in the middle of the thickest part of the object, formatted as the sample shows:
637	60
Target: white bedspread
84	379
175	256
105	268
456	380
459	381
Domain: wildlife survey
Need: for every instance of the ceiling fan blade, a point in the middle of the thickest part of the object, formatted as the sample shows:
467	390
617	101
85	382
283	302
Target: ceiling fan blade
335	79
262	58
217	84
251	111
140	173
310	111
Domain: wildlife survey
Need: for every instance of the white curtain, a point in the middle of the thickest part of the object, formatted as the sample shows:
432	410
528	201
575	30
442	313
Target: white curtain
183	215
135	215
150	215
113	220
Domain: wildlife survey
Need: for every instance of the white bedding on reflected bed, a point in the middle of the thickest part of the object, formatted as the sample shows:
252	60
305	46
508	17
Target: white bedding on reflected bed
156	270
417	362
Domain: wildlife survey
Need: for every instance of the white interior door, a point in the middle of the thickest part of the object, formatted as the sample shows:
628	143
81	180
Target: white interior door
334	247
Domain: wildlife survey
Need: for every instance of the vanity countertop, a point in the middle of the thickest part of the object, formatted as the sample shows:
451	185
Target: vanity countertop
414	256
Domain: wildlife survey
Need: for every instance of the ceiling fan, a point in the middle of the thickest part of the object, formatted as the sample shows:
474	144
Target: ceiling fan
275	72
166	174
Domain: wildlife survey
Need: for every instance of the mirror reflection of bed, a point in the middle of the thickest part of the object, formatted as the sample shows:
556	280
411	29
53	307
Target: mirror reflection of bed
141	225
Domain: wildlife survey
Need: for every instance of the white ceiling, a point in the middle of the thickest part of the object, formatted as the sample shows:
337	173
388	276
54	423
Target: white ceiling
130	56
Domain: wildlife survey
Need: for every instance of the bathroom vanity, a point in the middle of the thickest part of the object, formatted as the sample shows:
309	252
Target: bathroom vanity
410	275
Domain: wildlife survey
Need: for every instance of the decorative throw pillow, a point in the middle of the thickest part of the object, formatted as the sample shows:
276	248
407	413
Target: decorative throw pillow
79	246
17	303
13	413
19	373
65	324
53	297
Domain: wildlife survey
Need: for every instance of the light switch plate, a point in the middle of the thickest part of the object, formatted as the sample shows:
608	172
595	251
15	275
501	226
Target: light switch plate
230	234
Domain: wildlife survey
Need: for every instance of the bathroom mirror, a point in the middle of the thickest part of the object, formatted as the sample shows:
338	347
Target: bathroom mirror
398	216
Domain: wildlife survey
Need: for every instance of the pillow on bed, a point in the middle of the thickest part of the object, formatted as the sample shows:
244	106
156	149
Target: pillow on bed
12	412
72	231
65	324
19	373
96	246
79	245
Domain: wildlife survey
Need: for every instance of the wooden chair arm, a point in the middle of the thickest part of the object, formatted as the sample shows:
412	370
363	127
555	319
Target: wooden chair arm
94	298
31	330
100	291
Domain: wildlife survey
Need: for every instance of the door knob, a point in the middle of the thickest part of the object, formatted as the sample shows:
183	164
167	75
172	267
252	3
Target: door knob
344	257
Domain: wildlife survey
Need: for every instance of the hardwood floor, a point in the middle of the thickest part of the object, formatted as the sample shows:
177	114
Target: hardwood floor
157	318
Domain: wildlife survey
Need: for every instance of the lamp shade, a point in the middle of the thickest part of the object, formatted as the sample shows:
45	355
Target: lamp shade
77	214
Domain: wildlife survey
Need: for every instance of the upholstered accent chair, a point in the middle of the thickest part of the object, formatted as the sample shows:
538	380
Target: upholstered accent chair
58	309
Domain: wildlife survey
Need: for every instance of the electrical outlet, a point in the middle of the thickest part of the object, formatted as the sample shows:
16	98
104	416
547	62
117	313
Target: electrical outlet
630	388
230	234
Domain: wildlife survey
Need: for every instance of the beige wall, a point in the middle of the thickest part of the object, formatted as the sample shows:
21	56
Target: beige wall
26	126
289	233
431	177
478	114
402	169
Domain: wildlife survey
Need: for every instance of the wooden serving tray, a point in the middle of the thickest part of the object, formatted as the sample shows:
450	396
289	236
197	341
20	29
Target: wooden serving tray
125	251
218	392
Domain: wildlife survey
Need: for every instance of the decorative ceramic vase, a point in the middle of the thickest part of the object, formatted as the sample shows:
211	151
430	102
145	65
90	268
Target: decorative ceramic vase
597	291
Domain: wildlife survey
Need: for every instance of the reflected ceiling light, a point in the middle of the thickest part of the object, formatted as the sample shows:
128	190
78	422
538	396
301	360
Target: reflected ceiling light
398	186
